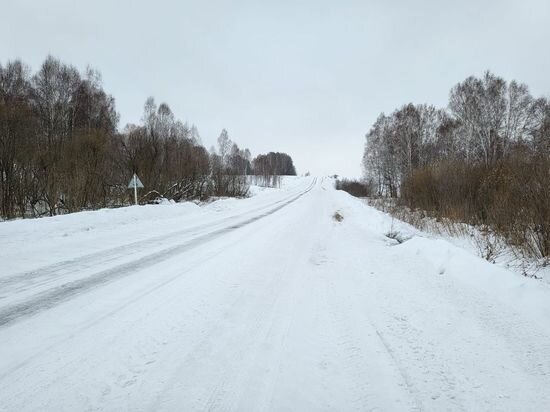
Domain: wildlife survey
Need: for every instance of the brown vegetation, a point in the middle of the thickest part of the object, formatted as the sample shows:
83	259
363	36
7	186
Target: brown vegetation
485	161
354	187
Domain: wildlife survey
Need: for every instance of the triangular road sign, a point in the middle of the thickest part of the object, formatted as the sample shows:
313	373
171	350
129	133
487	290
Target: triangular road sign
135	182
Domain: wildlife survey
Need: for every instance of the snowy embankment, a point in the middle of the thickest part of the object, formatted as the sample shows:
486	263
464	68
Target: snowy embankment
266	303
482	242
457	256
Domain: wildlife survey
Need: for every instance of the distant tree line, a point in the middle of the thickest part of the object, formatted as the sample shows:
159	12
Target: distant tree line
269	167
61	151
483	160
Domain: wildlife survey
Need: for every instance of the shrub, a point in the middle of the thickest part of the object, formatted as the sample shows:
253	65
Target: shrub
354	187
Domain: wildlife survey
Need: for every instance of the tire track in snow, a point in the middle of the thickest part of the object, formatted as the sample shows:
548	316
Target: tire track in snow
358	362
239	330
122	306
378	380
250	386
52	297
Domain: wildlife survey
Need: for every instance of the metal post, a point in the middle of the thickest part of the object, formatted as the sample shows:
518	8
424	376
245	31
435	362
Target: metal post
135	189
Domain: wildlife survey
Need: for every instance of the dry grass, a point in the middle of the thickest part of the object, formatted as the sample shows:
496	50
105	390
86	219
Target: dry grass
488	244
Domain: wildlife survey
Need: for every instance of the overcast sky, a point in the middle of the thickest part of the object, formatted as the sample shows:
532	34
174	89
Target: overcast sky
304	77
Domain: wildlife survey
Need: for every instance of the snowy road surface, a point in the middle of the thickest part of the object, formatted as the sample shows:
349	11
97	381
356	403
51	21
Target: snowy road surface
265	303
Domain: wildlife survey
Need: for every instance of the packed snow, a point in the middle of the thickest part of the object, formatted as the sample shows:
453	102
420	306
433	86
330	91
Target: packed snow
263	303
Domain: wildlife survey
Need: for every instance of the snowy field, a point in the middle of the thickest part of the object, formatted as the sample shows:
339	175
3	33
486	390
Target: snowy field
265	303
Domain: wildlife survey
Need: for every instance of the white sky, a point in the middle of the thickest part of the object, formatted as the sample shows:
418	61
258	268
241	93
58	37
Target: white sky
304	77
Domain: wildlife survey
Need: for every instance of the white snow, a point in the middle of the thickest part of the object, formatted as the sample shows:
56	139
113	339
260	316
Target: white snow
265	303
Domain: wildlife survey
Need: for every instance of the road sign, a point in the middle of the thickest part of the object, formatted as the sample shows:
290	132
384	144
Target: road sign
135	183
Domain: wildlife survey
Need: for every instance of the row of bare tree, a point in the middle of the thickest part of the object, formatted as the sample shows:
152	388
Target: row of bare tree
269	167
483	160
61	151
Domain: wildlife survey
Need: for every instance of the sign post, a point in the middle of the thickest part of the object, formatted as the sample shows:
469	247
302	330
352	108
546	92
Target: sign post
135	183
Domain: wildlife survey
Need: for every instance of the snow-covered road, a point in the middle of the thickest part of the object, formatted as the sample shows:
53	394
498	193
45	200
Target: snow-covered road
266	303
